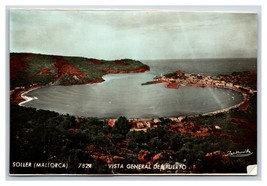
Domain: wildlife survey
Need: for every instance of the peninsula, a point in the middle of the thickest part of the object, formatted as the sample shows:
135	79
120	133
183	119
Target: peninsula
28	71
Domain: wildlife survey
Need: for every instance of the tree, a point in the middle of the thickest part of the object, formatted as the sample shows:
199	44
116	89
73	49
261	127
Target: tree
156	144
160	132
117	138
121	126
175	140
135	139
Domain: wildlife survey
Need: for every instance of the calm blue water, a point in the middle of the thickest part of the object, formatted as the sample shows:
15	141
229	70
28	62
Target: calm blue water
123	95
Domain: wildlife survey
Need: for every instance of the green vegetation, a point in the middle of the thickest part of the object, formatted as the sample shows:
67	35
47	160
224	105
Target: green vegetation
223	120
121	126
45	136
176	75
28	69
30	73
94	68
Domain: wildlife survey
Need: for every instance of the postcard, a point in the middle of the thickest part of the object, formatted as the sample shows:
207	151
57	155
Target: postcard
132	92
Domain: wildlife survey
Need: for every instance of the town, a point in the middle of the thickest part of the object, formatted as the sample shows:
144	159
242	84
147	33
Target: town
240	82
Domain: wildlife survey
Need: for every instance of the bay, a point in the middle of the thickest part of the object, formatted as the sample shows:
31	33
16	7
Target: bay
123	94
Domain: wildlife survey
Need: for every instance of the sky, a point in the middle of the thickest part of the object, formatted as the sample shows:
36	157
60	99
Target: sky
134	34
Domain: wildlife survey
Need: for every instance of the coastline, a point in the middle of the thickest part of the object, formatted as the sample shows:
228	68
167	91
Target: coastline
18	94
169	82
171	124
195	81
25	73
26	98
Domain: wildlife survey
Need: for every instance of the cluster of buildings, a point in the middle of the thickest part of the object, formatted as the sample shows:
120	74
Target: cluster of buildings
184	79
177	79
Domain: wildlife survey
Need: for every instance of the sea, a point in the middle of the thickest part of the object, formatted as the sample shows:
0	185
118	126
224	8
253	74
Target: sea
124	94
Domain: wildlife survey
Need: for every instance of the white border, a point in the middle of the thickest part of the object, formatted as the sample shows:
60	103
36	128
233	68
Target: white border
194	5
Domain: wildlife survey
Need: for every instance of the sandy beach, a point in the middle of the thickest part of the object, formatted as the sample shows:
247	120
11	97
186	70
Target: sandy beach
27	98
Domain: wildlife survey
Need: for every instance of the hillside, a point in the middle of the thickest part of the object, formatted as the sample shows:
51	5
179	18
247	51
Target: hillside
27	69
47	136
31	70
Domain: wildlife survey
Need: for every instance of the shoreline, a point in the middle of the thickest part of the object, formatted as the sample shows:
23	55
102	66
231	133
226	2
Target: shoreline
176	82
246	92
18	94
26	98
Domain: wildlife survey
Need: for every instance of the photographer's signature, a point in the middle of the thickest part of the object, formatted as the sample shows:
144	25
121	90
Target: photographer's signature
244	153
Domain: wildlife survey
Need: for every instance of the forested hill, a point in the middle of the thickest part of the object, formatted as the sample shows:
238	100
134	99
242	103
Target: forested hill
27	69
